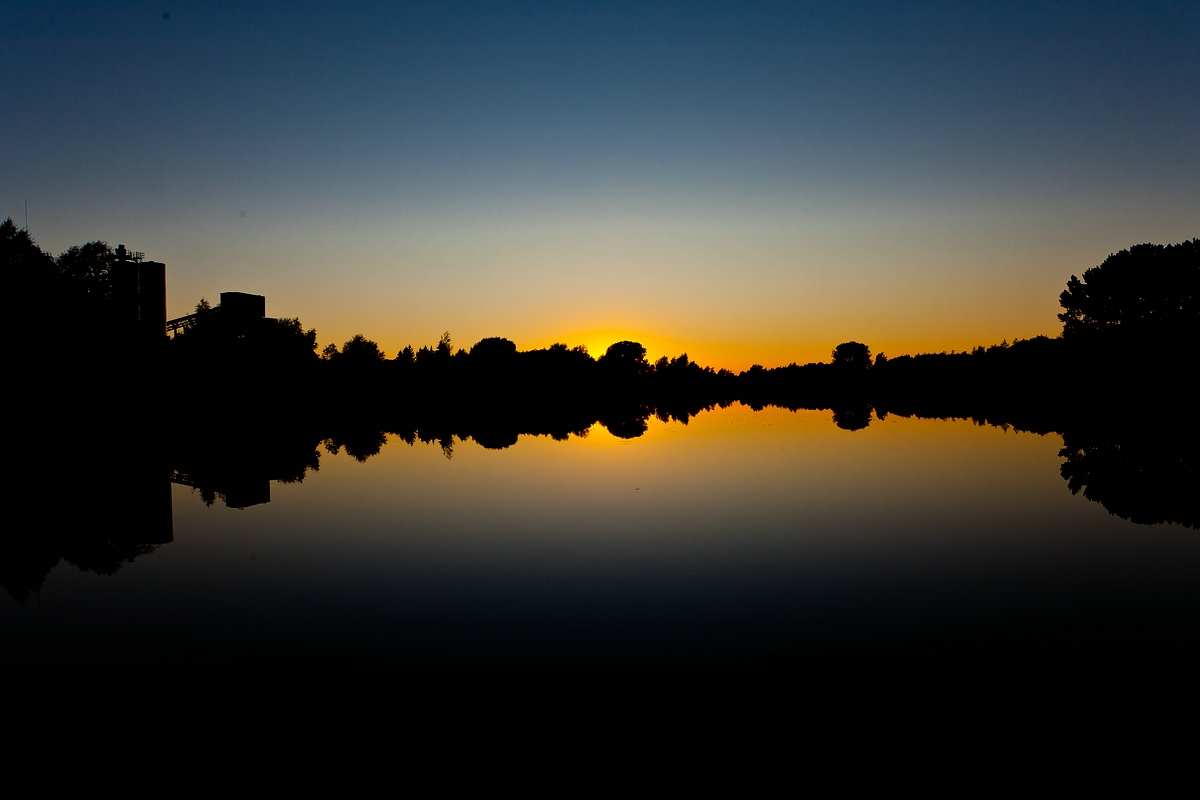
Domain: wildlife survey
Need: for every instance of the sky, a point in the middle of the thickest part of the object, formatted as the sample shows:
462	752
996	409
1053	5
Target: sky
744	182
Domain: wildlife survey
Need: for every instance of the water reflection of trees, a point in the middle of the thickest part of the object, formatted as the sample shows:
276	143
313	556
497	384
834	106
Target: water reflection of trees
1147	479
103	503
231	404
95	504
1119	457
237	463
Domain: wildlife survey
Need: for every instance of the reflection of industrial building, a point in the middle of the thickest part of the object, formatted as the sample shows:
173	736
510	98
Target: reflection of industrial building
248	492
238	490
241	483
148	506
139	291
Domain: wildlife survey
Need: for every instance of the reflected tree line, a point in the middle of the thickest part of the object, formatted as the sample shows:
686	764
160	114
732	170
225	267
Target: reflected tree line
226	408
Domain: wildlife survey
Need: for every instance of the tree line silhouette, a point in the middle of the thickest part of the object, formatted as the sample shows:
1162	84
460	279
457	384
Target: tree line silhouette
1132	317
227	405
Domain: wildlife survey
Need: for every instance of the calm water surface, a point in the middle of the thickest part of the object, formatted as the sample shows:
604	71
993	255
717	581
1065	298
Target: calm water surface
738	534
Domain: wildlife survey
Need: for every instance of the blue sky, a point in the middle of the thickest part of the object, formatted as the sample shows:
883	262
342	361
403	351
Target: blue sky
750	182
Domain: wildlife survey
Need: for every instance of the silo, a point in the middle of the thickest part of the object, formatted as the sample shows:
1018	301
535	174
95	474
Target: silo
152	297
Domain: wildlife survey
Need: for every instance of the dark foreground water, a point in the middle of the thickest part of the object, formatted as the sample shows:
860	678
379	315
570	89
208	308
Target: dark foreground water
742	535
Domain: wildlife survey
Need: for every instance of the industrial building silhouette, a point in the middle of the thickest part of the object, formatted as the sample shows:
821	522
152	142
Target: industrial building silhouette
139	292
239	309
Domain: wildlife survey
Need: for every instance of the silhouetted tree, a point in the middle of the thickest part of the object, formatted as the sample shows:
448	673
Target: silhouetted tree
90	266
20	257
211	340
205	314
625	359
852	355
76	288
493	349
1145	288
361	351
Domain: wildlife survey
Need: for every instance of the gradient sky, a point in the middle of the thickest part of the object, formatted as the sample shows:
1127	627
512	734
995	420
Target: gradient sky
746	182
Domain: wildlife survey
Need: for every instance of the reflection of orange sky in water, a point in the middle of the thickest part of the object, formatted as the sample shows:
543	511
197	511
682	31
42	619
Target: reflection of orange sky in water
730	477
763	456
785	443
726	468
740	424
776	452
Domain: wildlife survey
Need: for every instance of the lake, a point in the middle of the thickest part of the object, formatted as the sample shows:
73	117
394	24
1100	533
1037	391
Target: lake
740	535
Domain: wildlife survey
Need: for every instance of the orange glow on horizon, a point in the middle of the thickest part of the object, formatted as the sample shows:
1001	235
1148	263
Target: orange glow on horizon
738	356
734	356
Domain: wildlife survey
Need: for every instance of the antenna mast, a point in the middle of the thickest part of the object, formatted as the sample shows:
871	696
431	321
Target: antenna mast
27	214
